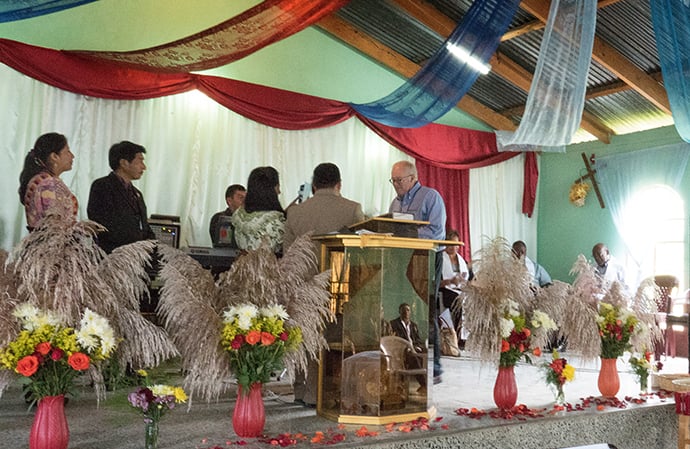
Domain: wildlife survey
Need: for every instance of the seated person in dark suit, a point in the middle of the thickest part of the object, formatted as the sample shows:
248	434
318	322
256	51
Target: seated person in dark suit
405	328
116	204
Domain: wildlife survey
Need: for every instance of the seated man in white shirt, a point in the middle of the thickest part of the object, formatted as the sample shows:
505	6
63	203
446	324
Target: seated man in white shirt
453	276
607	267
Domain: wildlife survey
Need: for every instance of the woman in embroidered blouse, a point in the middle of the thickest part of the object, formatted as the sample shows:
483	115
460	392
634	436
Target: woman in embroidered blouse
262	219
41	190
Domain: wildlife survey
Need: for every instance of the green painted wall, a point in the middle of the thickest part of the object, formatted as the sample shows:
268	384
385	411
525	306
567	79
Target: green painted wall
564	231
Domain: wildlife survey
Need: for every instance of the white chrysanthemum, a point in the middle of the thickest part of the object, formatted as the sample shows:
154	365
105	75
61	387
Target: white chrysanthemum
275	311
245	314
541	319
163	390
507	325
94	331
27	315
230	314
599	319
32	317
512	308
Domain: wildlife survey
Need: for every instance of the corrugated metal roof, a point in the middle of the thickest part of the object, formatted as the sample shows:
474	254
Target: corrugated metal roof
624	25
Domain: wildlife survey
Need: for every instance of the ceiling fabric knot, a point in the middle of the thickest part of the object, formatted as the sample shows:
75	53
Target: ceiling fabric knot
557	95
671	19
449	73
11	10
268	22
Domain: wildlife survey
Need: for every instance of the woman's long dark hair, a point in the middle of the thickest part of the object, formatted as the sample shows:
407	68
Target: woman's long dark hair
261	190
37	159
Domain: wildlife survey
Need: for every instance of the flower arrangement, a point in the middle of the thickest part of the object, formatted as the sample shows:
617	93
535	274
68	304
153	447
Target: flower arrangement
516	333
642	367
578	193
153	401
257	339
617	324
49	354
558	372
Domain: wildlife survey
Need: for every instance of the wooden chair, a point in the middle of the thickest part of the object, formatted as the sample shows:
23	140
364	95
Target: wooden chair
668	284
396	351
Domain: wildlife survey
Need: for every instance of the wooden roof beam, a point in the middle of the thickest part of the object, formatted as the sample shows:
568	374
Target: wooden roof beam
500	64
613	61
537	24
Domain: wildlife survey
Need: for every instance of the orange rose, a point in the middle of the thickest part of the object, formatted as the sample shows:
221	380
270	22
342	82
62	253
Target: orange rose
78	361
253	337
43	348
537	351
526	332
267	338
28	365
505	346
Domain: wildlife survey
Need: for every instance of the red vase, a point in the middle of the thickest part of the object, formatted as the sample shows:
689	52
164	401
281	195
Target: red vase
249	416
608	382
505	388
50	430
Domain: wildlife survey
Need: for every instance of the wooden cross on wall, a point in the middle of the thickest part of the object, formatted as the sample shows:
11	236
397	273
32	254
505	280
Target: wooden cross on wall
590	176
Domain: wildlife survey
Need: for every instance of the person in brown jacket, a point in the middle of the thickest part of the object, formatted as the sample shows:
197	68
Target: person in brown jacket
326	211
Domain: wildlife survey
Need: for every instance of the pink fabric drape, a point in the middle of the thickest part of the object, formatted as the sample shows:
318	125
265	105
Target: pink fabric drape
440	146
268	22
454	186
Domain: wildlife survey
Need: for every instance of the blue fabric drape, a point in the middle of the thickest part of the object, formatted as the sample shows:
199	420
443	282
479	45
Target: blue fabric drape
11	10
622	175
557	96
445	78
671	19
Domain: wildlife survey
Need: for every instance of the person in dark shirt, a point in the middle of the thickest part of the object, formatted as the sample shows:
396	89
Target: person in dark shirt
115	203
220	228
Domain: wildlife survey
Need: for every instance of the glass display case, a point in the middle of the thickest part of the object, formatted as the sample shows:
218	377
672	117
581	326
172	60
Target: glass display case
366	375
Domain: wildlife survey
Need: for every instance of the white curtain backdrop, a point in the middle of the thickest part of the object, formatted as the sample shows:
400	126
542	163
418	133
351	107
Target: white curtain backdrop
496	205
196	148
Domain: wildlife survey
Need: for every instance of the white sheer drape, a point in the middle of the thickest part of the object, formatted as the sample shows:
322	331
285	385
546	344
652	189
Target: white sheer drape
496	206
557	95
195	149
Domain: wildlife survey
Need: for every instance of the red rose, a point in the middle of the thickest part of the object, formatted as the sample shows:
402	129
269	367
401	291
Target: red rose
253	337
237	342
284	336
267	338
43	348
28	365
78	361
56	354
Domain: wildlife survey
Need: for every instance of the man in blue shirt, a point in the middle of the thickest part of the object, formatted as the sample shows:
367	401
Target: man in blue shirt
425	204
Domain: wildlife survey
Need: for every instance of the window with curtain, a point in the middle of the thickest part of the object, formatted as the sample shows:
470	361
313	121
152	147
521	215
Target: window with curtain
654	219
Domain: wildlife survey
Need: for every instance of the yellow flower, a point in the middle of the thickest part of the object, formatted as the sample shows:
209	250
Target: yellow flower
180	395
142	372
569	372
578	193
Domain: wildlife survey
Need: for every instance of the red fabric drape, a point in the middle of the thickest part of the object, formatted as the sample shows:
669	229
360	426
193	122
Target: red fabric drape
529	191
454	186
441	146
102	80
274	107
268	22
